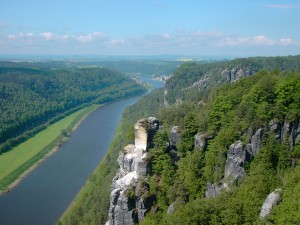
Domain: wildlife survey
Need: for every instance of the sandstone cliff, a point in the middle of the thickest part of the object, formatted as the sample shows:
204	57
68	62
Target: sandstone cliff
239	153
128	204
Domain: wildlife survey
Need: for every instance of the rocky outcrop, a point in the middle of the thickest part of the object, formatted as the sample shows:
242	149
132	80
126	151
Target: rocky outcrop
171	208
213	190
174	139
234	167
236	73
256	142
166	103
296	133
143	130
174	136
234	170
238	154
289	131
128	205
272	200
202	83
200	141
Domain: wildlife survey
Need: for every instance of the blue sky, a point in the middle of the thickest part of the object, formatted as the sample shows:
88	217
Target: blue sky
150	27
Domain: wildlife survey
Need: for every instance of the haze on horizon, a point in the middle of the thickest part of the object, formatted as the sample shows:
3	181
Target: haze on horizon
134	27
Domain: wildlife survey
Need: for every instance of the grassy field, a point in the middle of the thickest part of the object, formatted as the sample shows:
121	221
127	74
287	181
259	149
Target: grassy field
16	161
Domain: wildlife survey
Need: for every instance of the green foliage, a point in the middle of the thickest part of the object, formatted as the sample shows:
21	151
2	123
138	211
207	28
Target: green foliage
225	114
189	131
145	67
190	174
187	74
25	155
288	211
130	134
229	113
91	204
160	142
162	168
30	99
288	99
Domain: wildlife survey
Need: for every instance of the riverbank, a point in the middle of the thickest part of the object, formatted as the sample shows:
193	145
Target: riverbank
16	164
93	198
100	182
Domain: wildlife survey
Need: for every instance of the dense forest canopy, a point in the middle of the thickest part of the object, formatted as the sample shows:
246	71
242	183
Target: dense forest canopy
224	112
34	94
146	67
228	113
192	76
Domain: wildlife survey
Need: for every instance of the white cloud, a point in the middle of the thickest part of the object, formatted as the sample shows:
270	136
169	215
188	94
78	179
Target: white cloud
116	41
29	34
246	41
166	36
262	40
90	37
48	36
11	37
177	42
65	37
285	41
283	6
230	41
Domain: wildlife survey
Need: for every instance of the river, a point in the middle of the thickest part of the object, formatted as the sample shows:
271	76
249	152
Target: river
42	197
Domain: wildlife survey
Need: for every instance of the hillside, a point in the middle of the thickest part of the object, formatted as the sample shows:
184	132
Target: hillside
33	95
220	150
234	149
191	80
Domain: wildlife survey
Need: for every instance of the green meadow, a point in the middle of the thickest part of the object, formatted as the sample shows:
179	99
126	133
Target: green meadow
16	161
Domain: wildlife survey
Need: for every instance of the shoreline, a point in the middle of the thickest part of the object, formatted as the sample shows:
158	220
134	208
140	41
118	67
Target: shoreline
56	148
28	171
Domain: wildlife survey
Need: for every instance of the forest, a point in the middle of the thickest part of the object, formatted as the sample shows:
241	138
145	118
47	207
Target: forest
229	113
225	112
34	95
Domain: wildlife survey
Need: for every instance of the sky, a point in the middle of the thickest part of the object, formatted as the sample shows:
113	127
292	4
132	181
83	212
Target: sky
150	27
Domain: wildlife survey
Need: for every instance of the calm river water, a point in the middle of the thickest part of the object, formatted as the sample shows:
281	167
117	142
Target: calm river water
42	197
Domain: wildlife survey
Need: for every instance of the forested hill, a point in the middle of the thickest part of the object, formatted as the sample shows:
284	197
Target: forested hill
191	78
33	95
229	149
222	148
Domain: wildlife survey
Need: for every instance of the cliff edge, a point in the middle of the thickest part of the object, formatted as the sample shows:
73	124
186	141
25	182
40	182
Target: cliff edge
128	204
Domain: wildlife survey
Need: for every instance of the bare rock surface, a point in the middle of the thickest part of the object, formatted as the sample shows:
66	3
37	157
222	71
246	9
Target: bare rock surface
127	208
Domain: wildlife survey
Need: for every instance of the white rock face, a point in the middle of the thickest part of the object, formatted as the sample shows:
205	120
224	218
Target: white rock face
140	134
133	166
272	200
234	167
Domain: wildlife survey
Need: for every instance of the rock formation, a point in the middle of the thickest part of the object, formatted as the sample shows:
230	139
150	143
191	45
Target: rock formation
237	153
127	204
171	208
202	83
234	170
174	136
235	74
272	200
256	142
234	167
213	190
200	141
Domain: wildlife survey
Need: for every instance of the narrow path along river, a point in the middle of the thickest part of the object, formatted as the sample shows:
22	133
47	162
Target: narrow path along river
44	194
